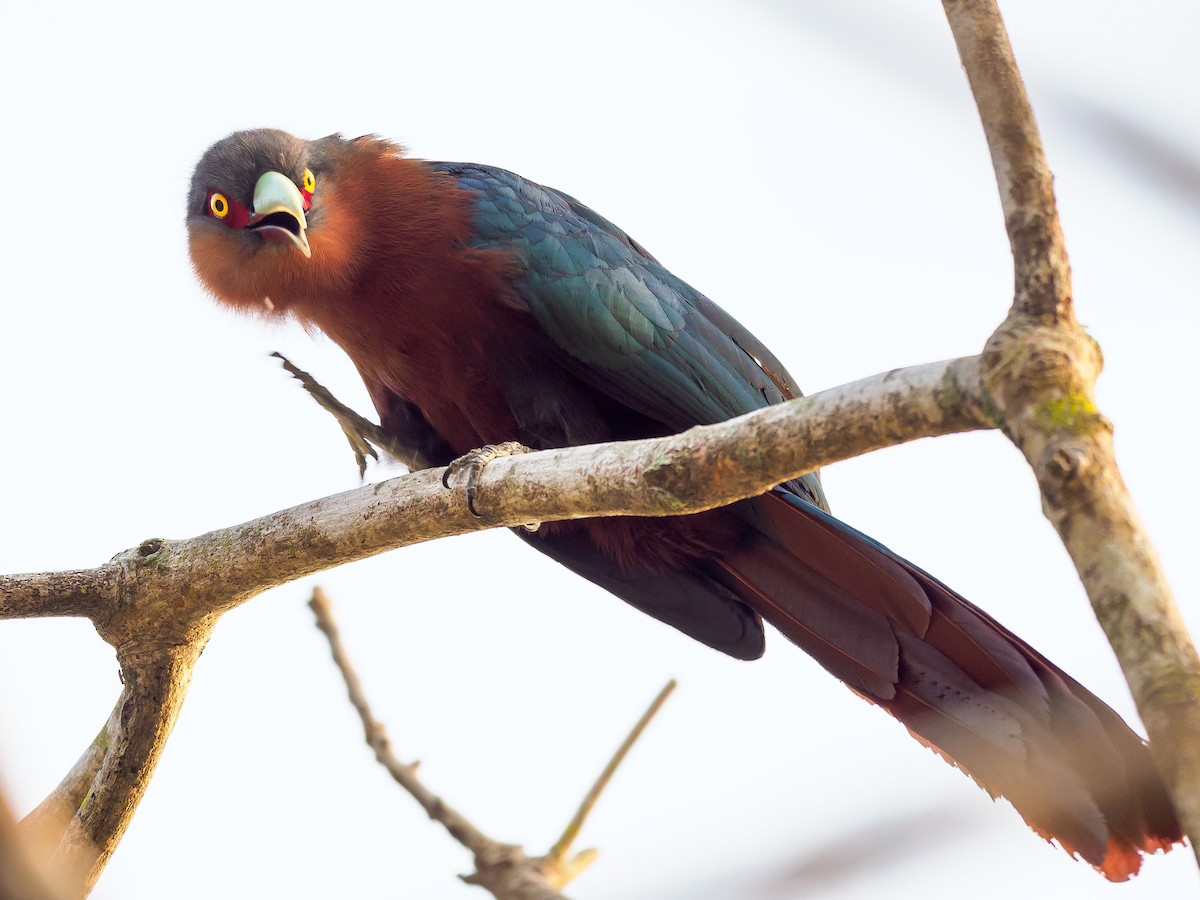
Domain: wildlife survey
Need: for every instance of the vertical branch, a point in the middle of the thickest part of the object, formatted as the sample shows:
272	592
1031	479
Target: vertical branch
1040	368
1043	275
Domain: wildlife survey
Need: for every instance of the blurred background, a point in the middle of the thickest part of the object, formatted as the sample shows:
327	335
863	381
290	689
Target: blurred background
818	169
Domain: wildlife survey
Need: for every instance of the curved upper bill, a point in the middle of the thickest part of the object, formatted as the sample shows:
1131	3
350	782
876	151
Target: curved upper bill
279	211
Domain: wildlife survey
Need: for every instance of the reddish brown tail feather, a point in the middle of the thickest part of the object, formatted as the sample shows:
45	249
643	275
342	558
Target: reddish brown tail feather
960	682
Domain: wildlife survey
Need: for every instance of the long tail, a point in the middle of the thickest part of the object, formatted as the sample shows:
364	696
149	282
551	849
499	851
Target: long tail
959	681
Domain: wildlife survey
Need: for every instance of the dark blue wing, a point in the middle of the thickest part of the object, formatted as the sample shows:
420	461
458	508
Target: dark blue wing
626	325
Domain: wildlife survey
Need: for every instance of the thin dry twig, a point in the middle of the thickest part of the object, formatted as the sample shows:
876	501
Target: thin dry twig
503	869
563	845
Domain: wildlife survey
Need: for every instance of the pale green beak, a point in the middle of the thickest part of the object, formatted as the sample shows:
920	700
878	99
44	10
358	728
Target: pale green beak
279	211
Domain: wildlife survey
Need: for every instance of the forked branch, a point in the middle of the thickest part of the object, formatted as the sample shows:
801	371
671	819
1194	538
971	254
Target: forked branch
157	603
1040	369
505	870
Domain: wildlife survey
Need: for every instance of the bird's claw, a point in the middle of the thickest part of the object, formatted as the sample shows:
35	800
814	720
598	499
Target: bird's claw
473	464
362	434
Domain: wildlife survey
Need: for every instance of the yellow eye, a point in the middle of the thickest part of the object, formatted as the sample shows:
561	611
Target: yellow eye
310	181
219	205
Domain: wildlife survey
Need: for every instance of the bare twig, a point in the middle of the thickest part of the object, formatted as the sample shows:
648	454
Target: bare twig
1040	369
563	845
503	869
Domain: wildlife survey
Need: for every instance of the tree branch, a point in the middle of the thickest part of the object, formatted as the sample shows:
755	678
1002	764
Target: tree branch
563	845
505	870
46	824
700	469
83	592
1040	368
157	603
155	687
1043	276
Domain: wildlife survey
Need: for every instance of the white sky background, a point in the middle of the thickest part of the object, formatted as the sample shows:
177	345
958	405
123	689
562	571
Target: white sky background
818	169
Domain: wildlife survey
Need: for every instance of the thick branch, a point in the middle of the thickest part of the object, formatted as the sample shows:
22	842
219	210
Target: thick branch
46	824
83	592
156	683
157	603
1040	369
704	467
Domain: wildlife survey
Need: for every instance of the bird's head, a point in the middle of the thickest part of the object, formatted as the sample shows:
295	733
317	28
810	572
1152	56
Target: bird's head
264	229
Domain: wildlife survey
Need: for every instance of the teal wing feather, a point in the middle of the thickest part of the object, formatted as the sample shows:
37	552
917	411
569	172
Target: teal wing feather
623	322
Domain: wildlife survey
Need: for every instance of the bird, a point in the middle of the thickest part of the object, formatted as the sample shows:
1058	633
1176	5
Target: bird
481	308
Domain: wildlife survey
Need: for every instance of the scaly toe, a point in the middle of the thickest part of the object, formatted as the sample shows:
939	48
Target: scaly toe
473	464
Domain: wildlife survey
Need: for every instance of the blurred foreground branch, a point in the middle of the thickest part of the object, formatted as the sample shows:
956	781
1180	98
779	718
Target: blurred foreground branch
19	876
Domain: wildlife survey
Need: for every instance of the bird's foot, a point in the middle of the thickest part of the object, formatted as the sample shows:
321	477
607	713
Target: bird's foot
472	465
364	435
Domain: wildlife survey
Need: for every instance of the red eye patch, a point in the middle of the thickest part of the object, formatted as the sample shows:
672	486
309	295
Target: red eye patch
225	209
